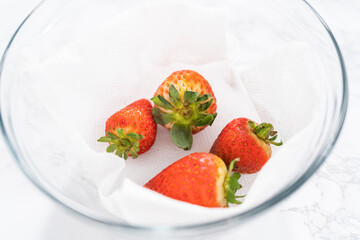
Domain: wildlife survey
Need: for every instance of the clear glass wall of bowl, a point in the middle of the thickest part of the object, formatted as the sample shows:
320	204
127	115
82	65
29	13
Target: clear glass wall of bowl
260	27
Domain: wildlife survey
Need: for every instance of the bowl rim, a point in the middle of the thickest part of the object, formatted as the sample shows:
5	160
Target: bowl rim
284	193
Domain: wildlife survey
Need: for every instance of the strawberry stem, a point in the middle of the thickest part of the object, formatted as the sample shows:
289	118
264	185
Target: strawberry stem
124	144
183	112
242	196
264	131
231	185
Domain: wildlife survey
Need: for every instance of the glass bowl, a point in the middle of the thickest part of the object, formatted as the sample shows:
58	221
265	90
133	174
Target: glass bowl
259	26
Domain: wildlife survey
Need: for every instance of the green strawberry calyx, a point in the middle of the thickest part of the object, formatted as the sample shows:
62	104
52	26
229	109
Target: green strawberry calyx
124	144
265	131
183	112
231	185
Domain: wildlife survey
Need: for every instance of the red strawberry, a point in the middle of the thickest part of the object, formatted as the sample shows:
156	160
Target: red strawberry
248	141
185	103
131	131
199	178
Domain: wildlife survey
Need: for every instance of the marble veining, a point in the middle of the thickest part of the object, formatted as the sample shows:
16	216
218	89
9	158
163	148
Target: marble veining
326	207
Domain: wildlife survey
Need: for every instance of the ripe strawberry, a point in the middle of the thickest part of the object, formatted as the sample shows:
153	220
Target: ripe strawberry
184	103
248	141
131	131
199	178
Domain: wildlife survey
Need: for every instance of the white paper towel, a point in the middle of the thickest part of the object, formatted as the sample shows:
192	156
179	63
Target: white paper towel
126	60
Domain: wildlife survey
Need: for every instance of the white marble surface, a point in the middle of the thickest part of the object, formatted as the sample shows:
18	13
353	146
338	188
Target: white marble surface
326	207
